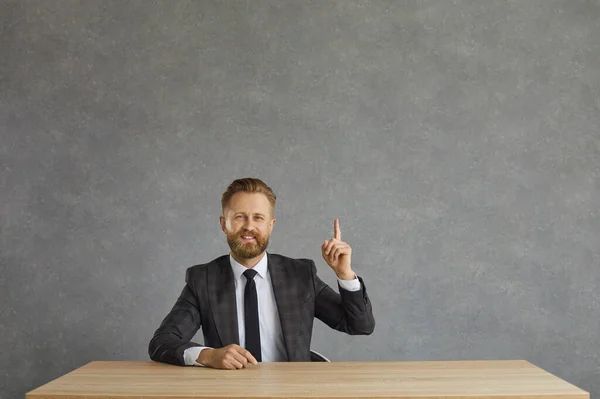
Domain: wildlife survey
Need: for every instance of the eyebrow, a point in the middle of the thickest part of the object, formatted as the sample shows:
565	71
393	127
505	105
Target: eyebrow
254	214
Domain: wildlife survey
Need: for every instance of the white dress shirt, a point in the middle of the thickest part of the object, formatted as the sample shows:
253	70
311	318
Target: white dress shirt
271	337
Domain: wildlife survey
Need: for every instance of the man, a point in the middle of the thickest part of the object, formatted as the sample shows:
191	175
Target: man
257	306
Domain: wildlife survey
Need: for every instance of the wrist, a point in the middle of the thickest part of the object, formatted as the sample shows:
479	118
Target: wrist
346	276
204	356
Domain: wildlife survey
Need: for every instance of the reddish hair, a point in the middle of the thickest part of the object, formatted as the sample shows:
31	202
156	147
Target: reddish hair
248	185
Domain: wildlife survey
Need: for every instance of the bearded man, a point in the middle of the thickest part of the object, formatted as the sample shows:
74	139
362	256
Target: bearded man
256	306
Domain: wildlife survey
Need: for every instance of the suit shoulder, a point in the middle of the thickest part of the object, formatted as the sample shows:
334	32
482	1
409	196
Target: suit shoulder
201	268
291	262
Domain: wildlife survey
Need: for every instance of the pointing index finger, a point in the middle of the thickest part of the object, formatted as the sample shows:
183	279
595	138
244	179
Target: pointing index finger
337	234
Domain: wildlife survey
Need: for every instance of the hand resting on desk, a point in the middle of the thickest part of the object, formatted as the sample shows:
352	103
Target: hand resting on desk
229	357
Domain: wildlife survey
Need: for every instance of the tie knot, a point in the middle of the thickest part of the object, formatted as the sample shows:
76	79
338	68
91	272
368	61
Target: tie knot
250	273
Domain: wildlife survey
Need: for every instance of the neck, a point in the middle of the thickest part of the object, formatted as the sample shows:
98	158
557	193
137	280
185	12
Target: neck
249	263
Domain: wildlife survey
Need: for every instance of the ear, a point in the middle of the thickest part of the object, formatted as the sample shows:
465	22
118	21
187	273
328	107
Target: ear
222	222
272	224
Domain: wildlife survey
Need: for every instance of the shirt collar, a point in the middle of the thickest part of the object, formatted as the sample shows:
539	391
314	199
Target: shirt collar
239	269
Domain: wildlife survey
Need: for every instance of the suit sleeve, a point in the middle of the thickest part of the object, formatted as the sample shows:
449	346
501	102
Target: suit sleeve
348	311
173	336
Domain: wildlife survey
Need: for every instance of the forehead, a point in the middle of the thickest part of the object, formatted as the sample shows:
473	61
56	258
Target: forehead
249	203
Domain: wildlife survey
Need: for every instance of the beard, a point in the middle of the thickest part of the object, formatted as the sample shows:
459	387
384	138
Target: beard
247	250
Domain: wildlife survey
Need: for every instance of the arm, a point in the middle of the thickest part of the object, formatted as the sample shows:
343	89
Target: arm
348	311
173	336
171	342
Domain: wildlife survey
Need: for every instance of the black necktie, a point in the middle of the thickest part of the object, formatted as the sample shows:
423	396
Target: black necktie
251	315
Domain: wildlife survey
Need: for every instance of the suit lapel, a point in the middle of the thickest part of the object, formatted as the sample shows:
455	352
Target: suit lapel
221	296
281	282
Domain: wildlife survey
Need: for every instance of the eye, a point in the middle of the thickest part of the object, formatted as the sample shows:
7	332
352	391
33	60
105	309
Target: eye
258	217
239	217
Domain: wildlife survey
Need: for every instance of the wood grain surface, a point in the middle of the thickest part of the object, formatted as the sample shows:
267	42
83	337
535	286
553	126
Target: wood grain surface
447	379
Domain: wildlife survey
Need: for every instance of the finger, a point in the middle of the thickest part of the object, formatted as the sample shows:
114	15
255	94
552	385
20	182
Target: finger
330	246
230	362
332	250
341	249
248	356
232	356
240	354
240	358
337	251
228	366
235	364
337	234
324	245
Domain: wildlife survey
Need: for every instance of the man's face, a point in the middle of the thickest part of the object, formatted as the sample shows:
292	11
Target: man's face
248	221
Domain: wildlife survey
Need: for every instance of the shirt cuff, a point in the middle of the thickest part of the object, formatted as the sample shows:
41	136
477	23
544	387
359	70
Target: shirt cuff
191	354
350	285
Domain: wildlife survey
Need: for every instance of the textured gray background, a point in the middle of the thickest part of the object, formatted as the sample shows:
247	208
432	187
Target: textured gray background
458	141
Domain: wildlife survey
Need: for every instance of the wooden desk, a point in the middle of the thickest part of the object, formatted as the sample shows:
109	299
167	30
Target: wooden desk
458	379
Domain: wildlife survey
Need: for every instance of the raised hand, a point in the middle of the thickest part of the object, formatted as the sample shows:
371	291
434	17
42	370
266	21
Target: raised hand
338	254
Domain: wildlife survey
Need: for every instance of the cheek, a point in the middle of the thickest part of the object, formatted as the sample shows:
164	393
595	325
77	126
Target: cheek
231	226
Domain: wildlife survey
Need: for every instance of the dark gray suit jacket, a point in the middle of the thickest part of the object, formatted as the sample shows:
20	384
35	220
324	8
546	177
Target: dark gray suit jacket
208	301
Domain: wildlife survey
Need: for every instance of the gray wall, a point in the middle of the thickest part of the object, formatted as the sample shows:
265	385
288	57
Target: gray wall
458	142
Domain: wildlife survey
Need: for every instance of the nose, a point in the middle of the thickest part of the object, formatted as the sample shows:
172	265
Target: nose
248	225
